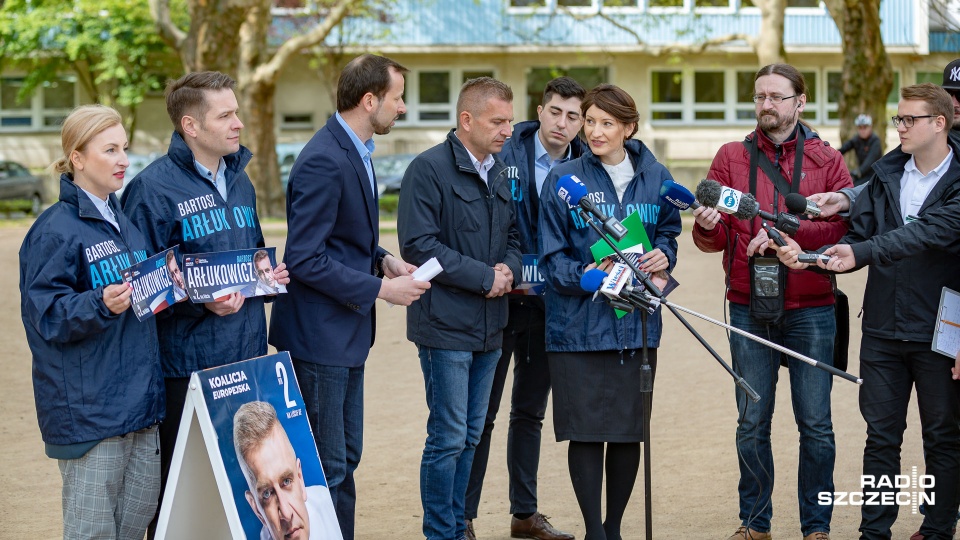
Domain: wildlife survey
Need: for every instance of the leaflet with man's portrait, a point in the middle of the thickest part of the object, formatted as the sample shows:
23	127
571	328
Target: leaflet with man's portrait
211	277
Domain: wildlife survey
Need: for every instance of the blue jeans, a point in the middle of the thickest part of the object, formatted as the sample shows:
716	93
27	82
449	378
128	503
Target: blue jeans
523	339
333	400
808	331
458	390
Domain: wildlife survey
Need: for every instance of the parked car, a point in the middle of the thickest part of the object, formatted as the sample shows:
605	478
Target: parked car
390	171
286	156
138	162
16	183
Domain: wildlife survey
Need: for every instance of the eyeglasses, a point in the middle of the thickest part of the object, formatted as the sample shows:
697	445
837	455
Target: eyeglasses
908	120
776	100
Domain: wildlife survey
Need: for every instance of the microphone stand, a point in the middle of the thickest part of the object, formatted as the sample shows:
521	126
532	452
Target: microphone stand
656	292
646	372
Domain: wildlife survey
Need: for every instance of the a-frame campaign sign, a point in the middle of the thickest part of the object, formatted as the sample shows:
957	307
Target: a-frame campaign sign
210	493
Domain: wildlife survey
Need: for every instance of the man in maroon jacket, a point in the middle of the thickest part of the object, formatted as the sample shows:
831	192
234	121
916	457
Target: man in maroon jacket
790	308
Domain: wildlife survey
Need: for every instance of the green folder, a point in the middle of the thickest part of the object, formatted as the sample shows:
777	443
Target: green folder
636	234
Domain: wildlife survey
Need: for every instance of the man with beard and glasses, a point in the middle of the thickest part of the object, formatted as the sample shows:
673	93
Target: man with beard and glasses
800	316
336	265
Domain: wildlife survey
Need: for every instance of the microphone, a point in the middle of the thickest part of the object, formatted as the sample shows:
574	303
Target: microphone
743	206
678	195
574	193
798	204
591	282
617	286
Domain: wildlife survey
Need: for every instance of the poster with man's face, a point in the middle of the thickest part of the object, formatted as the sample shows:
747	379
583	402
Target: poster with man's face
268	450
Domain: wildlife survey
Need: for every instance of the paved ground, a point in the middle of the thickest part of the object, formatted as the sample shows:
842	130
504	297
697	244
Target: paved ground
694	459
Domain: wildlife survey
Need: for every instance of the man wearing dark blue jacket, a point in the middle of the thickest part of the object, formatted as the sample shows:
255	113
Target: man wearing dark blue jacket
198	196
328	320
535	147
456	206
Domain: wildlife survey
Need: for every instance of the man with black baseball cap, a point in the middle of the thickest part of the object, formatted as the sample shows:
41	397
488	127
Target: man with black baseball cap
951	83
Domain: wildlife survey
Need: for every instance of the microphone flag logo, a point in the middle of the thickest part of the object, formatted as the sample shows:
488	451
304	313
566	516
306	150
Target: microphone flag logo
730	199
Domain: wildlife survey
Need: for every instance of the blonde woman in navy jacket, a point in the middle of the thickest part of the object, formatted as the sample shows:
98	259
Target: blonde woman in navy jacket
96	368
595	357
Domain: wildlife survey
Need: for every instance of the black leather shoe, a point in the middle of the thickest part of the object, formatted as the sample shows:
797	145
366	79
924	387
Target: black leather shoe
470	535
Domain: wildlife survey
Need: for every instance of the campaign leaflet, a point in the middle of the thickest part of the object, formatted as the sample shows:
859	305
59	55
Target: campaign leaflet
268	449
532	282
157	283
211	277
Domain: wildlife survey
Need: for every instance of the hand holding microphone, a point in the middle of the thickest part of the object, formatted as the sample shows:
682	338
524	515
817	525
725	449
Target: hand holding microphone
681	197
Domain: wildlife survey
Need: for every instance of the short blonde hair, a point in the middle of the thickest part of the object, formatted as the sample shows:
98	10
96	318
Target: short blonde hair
83	124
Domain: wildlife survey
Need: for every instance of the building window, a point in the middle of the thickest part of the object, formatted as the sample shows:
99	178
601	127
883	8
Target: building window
538	77
935	77
575	3
621	3
665	3
296	121
666	95
528	3
45	109
708	95
712	3
712	96
790	4
431	95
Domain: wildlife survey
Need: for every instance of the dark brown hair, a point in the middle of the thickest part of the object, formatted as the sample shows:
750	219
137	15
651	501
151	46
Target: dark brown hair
614	101
788	72
565	87
186	96
367	73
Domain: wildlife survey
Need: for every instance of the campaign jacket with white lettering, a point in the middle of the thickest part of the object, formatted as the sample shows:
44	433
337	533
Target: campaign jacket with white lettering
95	374
518	155
172	204
576	323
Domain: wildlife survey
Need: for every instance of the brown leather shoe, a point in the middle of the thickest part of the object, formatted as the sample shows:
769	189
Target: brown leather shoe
536	526
817	536
470	534
744	533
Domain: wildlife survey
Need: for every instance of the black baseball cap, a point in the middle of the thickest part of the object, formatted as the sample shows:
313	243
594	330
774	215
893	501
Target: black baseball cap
951	76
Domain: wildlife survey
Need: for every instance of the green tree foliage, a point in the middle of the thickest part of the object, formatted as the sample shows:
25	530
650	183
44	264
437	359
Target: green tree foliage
111	46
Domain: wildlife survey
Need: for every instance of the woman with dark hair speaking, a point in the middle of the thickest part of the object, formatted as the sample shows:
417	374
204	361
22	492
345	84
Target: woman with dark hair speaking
96	369
595	357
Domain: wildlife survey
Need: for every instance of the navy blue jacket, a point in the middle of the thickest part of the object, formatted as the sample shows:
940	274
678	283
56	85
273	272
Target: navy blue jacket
172	204
95	374
575	323
518	155
902	296
333	230
448	212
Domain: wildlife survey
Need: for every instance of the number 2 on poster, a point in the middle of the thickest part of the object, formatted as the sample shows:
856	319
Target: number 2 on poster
284	382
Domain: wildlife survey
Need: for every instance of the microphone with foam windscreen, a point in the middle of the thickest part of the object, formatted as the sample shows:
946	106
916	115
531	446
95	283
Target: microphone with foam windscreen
574	193
743	206
798	204
678	196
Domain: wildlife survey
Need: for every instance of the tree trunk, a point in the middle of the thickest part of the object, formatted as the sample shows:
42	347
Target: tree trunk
770	39
867	75
257	113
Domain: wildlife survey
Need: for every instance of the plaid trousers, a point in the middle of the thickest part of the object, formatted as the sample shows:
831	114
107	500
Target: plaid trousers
111	492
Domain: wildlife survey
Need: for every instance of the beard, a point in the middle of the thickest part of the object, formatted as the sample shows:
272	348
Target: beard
772	121
380	128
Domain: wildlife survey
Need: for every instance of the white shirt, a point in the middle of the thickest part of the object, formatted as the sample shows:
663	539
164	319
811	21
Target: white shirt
915	186
482	167
104	208
621	175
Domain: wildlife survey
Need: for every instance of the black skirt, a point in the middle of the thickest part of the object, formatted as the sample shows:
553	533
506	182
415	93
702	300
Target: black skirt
596	395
